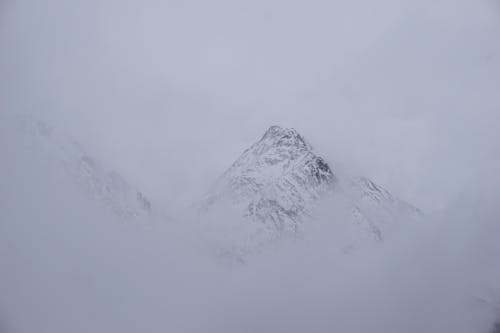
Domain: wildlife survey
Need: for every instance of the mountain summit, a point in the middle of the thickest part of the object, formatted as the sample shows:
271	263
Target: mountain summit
278	179
278	183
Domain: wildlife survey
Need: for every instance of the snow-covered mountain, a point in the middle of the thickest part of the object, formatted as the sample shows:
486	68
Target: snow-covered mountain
280	183
104	185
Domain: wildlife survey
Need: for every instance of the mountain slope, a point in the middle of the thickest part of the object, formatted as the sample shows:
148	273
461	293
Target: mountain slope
278	184
100	183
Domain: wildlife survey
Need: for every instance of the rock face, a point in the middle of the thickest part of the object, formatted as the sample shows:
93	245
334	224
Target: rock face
277	184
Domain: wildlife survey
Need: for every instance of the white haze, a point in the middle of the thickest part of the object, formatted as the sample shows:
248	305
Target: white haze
170	92
69	264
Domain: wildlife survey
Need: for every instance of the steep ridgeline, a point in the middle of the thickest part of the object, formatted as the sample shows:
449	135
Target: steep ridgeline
278	184
103	185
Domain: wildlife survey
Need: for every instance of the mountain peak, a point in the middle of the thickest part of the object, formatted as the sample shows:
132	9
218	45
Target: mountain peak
276	130
278	155
278	183
277	179
285	137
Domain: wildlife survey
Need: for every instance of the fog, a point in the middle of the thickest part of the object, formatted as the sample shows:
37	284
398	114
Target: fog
169	93
375	85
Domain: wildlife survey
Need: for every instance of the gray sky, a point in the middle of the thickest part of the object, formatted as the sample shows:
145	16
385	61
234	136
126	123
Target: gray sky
170	92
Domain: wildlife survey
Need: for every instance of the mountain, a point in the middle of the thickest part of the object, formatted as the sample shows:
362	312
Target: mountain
280	183
100	183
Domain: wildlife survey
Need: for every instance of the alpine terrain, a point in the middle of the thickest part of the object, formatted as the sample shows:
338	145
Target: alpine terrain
103	185
280	183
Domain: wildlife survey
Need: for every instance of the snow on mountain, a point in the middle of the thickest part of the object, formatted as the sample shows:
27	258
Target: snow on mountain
104	185
280	182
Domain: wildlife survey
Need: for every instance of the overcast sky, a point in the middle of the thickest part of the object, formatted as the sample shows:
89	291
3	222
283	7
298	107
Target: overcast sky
171	92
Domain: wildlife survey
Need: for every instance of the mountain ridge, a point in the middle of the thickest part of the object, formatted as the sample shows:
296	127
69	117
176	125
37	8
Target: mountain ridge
102	184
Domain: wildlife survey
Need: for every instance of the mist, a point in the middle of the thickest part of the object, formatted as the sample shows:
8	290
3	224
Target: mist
169	93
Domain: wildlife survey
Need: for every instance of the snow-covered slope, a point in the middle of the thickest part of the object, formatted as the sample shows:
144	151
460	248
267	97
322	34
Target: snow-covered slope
278	184
100	183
